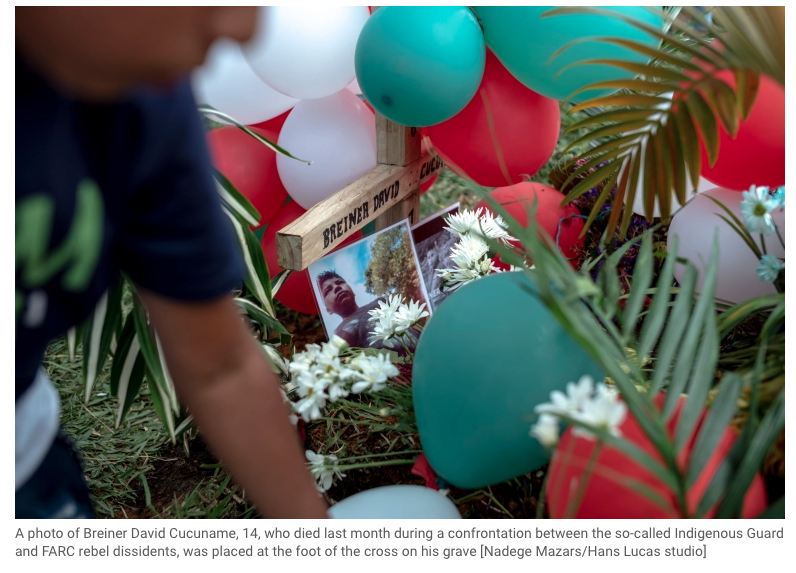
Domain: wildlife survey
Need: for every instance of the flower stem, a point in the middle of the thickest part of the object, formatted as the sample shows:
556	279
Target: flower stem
403	452
573	507
375	464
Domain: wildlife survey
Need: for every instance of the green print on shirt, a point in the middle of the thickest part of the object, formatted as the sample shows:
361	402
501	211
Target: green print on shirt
77	254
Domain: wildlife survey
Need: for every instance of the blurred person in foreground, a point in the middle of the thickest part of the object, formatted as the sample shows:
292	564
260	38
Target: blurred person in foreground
113	175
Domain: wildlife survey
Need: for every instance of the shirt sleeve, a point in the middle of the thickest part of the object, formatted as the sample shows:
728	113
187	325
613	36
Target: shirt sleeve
175	240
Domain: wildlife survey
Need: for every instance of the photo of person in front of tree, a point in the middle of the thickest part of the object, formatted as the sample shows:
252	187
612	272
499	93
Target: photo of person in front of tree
366	277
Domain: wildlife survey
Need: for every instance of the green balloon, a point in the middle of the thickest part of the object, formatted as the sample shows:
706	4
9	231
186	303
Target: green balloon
524	43
420	65
491	352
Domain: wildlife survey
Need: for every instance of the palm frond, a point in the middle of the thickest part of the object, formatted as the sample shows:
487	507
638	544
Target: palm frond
643	140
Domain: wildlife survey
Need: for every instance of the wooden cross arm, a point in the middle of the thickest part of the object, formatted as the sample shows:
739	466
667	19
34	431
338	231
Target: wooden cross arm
321	229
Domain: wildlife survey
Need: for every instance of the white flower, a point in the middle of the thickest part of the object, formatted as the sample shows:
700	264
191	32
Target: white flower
479	223
386	308
323	469
566	404
600	408
769	267
313	397
546	430
408	315
756	208
469	251
372	372
462	223
604	411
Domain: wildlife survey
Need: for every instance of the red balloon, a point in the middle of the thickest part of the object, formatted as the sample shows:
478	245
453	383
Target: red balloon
250	166
518	199
296	292
505	132
757	154
607	495
275	124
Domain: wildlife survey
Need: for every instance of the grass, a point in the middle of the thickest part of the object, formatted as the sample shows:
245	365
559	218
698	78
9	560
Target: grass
114	457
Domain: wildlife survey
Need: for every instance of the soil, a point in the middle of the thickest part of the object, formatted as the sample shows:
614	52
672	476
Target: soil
176	475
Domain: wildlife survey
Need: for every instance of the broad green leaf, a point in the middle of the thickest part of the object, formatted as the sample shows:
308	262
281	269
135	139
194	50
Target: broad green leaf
127	372
276	359
236	201
71	342
718	418
159	384
279	280
98	333
775	320
254	265
260	316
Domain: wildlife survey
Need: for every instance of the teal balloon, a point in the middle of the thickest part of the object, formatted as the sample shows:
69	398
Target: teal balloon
488	356
419	66
524	43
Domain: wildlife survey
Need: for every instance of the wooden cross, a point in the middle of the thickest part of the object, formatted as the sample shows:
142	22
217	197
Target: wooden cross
387	194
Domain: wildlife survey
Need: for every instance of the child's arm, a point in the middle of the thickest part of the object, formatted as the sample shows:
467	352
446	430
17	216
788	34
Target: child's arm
226	382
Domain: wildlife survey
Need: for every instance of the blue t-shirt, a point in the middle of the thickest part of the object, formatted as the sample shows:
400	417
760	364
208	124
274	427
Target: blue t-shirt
109	188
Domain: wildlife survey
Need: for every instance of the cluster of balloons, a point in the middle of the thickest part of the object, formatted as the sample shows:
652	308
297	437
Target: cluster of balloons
294	83
480	81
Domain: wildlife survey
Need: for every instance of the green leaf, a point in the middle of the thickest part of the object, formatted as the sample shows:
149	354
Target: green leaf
676	160
655	320
634	85
614	115
723	101
747	84
611	129
98	333
632	100
689	141
236	201
646	70
127	372
257	270
770	426
737	314
642	279
719	416
703	312
672	335
279	280
737	226
71	342
260	316
160	383
708	128
209	110
775	511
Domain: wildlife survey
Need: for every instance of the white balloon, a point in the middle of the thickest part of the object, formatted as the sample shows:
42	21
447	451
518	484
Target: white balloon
695	225
396	502
306	52
227	83
338	135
